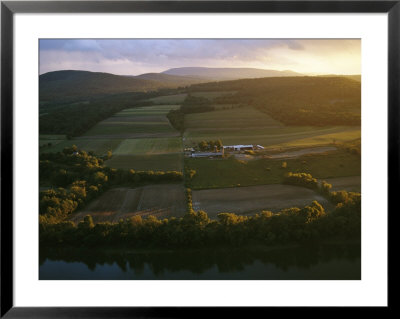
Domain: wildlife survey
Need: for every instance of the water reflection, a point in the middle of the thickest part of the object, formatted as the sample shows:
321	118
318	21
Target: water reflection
333	261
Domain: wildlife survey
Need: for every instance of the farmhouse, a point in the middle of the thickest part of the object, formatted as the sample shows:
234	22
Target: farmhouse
239	147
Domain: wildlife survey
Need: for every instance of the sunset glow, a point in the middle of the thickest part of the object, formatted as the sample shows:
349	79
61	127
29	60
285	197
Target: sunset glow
133	57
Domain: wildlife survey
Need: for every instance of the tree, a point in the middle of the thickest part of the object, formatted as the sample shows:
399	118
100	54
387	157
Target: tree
87	223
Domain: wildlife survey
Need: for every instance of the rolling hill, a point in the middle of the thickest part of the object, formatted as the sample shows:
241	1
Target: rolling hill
355	77
63	85
223	74
70	84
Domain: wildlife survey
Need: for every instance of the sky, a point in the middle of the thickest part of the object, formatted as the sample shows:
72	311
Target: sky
138	56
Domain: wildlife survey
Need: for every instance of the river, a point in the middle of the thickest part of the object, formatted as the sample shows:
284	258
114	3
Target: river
322	262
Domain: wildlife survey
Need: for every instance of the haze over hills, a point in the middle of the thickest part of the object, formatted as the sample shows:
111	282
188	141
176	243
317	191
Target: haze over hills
72	84
66	84
222	74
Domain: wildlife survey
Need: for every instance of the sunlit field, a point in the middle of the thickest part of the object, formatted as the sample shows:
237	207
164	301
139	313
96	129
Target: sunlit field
156	162
149	146
248	125
231	172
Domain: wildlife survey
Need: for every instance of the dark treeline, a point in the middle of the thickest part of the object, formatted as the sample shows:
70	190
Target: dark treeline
78	177
196	230
76	117
306	180
301	179
191	104
313	101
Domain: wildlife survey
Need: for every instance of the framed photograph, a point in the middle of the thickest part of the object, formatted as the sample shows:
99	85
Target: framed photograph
163	155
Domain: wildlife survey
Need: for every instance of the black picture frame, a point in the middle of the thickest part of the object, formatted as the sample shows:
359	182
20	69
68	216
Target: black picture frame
9	8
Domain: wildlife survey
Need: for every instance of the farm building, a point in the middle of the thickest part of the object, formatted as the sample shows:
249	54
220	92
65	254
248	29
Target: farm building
239	147
208	154
188	151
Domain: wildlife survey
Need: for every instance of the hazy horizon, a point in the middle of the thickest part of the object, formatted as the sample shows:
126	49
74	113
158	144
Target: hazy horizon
135	57
305	74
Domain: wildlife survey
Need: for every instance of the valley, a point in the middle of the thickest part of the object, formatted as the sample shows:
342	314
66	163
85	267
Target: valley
141	138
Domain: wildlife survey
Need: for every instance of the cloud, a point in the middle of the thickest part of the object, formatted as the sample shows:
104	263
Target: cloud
155	55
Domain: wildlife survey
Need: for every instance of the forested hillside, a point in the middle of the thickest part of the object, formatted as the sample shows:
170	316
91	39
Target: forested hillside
296	100
66	85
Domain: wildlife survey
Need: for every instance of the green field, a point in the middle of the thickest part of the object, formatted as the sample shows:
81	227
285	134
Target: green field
49	144
246	125
155	162
146	111
148	146
212	94
229	172
146	121
169	99
235	118
52	137
140	138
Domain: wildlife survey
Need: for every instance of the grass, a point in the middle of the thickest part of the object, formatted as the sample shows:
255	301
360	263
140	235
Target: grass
243	117
169	99
212	95
149	146
161	162
247	125
144	121
229	172
130	128
52	137
147	110
43	142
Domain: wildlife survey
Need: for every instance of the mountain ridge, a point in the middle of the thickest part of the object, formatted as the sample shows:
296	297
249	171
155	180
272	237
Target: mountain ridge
228	73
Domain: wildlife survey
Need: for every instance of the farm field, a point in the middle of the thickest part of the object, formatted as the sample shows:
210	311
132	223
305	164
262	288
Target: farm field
52	137
46	139
254	199
212	94
147	121
148	146
247	125
301	152
242	117
139	138
349	183
230	172
162	201
169	99
155	162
